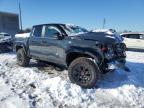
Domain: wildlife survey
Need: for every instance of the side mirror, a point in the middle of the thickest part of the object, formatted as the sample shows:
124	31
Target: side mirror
58	36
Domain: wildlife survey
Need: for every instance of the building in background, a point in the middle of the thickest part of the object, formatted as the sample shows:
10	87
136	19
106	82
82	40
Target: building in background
9	23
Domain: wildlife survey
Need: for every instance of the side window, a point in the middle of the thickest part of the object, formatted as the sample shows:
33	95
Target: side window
6	35
142	36
124	36
51	31
37	31
134	36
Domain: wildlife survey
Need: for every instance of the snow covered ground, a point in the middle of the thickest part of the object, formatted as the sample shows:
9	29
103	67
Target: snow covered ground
45	86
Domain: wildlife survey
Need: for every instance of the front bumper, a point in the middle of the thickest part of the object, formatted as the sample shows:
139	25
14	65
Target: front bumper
115	57
115	52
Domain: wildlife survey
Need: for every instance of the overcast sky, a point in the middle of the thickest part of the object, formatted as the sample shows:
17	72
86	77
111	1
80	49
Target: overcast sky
119	14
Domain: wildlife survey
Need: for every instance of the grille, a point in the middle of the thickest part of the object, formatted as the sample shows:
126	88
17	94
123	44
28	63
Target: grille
120	47
119	50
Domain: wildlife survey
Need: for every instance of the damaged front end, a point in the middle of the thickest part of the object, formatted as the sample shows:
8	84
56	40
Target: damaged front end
114	55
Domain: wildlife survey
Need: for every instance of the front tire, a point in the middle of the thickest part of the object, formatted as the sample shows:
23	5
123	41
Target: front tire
22	58
84	72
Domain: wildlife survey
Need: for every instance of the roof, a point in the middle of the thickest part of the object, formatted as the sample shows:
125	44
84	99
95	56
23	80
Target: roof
49	24
132	33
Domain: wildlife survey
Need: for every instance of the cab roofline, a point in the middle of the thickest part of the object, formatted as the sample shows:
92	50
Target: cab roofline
49	24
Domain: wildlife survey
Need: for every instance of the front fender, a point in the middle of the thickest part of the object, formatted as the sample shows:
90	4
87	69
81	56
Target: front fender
20	45
94	53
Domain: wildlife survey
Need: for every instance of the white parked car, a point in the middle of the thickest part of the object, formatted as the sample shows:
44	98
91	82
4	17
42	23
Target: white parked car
134	40
6	42
5	38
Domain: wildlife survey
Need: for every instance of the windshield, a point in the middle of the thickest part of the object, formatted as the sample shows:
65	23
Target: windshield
74	30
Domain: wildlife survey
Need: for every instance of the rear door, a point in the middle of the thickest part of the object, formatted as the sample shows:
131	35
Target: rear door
35	42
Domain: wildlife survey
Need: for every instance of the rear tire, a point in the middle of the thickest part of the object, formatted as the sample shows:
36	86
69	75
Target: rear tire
22	58
84	72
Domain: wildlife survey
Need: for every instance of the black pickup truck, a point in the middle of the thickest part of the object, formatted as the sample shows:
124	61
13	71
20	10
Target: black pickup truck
84	53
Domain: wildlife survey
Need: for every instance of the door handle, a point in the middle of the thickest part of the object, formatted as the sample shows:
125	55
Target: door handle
43	41
32	41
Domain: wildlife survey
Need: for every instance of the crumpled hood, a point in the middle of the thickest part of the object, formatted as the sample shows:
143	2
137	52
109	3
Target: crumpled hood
101	37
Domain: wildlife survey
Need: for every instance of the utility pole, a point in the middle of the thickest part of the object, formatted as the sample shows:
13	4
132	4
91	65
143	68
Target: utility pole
20	16
104	22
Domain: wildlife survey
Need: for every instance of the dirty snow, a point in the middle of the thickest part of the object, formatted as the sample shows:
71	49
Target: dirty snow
46	86
9	99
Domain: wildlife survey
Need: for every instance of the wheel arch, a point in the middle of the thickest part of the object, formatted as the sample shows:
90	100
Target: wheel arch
71	55
20	46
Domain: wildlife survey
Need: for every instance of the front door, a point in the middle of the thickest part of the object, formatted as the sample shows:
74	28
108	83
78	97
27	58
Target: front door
52	47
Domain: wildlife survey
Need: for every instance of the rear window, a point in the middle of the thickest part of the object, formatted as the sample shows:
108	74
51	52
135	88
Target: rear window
1	35
6	35
37	31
